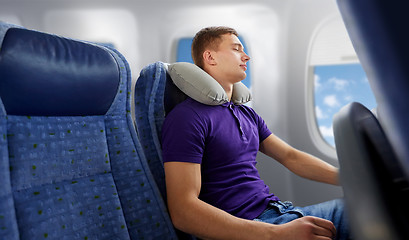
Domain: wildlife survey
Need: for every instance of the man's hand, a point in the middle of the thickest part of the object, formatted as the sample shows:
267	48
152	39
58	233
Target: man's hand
307	228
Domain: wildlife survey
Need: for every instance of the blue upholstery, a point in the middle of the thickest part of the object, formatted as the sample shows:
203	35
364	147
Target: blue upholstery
377	29
155	92
155	96
149	117
8	222
4	27
73	69
71	163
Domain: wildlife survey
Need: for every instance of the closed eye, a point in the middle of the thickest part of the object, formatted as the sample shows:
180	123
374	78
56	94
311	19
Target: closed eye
237	47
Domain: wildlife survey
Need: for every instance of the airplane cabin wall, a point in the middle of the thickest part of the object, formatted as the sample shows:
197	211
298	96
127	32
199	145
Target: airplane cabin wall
277	34
306	19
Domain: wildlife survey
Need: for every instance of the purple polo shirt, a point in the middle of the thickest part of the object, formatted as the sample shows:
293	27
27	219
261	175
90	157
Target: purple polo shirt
225	140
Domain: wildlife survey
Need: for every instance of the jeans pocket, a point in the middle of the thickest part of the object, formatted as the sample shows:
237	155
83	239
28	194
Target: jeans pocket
287	207
280	212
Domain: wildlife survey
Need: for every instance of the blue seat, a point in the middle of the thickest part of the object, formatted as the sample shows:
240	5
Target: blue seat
377	32
149	117
71	165
155	96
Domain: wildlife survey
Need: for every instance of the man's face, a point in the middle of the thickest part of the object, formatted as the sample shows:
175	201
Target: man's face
231	59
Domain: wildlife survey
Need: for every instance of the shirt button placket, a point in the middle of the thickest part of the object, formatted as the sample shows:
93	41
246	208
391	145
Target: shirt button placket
238	122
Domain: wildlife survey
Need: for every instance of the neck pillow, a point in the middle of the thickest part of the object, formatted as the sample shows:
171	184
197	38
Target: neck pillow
199	85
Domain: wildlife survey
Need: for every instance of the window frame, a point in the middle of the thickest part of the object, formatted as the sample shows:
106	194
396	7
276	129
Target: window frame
312	120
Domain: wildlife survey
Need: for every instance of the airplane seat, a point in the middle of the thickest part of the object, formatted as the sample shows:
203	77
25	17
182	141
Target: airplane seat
149	116
71	164
375	185
150	111
376	31
159	88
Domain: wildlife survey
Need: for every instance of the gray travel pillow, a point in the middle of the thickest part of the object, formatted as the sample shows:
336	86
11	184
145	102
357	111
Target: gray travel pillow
199	85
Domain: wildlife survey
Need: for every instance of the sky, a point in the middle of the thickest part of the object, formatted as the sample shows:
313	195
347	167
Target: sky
336	86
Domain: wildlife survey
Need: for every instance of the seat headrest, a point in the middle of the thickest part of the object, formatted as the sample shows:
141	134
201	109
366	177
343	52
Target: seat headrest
172	96
199	85
47	75
4	26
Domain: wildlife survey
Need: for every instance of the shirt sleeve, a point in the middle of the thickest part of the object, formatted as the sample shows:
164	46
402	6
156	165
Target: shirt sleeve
183	136
264	132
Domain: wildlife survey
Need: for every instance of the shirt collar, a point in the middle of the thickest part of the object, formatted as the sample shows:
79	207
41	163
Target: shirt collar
227	104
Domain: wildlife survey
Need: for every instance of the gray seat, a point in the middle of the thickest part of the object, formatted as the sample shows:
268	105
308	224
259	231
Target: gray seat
375	186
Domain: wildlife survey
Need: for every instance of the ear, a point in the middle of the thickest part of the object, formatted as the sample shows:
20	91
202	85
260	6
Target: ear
208	58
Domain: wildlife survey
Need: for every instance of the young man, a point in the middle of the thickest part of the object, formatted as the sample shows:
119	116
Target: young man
213	187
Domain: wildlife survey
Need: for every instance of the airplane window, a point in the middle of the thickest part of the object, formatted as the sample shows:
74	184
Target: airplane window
335	87
183	54
338	75
183	51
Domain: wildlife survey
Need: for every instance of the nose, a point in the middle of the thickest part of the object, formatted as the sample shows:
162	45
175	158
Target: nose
245	57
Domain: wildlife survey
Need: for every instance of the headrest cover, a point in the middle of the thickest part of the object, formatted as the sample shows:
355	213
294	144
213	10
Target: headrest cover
202	87
3	29
172	96
46	75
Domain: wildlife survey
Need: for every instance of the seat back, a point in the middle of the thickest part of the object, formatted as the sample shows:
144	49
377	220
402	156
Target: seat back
71	163
149	117
375	186
155	95
377	31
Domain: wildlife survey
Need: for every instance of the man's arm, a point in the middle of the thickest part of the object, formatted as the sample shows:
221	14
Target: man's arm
298	162
191	215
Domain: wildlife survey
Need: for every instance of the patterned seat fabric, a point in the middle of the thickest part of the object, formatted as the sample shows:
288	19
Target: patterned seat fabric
155	95
149	117
71	165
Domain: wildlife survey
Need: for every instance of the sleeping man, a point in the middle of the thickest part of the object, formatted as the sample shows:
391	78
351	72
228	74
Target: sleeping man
214	190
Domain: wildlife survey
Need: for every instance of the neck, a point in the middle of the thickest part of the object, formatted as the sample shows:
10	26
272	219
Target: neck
228	88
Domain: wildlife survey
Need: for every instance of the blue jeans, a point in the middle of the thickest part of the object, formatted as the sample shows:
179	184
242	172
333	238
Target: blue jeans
284	212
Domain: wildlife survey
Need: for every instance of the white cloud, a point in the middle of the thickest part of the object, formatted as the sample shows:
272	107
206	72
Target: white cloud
348	98
331	101
319	113
327	131
317	83
339	84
